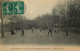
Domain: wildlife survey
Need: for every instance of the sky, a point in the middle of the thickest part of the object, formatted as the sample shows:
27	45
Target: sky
39	7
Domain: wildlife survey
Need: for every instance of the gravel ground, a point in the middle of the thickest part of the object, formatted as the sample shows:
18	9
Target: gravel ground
40	38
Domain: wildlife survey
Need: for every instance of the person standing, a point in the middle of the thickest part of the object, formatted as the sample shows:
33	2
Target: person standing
40	29
49	31
32	29
56	30
22	32
13	31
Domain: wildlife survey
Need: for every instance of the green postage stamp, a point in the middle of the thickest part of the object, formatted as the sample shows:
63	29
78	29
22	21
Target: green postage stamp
11	8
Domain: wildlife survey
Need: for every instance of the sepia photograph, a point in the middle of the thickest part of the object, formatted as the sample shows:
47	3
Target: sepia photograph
39	25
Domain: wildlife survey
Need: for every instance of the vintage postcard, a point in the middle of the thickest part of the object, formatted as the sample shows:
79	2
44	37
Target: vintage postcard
39	25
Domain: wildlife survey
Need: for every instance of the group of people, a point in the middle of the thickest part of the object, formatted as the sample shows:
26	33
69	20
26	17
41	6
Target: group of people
50	31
